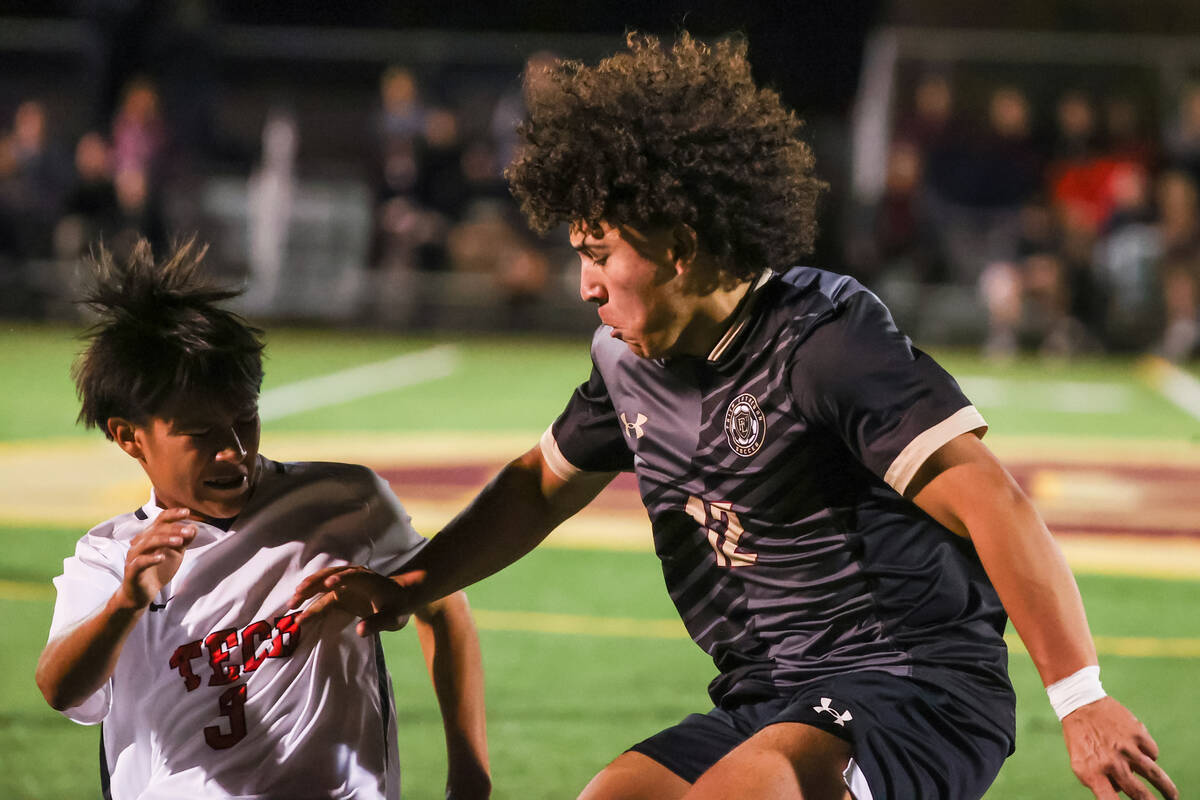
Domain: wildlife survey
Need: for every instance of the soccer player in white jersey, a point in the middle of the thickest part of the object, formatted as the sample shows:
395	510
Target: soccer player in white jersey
832	530
172	625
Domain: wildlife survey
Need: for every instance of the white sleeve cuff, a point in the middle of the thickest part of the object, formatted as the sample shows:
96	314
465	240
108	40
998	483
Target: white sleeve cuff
902	470
554	458
94	709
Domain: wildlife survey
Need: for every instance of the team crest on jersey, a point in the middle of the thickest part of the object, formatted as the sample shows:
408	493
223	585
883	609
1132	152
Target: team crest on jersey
745	425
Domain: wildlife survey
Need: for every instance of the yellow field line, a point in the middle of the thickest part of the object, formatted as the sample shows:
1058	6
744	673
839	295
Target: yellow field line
21	590
1131	646
578	624
583	625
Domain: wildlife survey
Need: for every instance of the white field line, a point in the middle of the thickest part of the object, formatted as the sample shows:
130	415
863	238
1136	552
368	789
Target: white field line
1078	397
1180	387
356	382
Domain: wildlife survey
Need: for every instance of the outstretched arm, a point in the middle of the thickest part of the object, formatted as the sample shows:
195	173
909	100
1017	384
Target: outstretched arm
451	648
507	519
965	488
76	664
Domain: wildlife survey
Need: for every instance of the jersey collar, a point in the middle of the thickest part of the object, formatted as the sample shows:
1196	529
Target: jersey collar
741	317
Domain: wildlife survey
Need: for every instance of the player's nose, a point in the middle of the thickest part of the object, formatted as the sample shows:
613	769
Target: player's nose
232	448
591	290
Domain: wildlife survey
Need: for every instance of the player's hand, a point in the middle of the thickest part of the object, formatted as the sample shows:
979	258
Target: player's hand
381	603
1110	748
155	555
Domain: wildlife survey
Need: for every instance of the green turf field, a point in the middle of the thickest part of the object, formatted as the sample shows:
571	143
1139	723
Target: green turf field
581	647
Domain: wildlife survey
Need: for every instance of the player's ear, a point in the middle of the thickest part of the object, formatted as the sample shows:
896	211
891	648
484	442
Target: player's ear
124	433
684	246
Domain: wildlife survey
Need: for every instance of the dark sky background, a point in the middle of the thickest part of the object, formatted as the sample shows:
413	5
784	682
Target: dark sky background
810	49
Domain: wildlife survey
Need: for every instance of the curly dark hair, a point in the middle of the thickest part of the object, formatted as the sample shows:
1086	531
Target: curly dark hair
659	137
161	336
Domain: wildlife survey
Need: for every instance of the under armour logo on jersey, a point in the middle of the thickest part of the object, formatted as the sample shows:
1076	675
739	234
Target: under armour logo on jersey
840	719
636	428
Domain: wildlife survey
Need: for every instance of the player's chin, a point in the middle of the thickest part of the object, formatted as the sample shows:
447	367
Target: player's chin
221	504
645	350
637	347
210	510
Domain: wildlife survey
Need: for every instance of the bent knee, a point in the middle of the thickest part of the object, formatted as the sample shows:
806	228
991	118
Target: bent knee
785	760
633	776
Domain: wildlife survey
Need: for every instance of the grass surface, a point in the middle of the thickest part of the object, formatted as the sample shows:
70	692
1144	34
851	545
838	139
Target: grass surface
560	705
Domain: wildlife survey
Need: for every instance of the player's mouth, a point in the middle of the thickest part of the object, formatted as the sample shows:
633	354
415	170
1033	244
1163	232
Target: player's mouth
227	483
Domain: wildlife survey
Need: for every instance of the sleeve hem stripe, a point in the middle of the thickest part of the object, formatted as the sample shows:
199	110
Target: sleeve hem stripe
554	458
902	470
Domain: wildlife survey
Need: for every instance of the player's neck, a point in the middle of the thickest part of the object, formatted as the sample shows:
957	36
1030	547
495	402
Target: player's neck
714	313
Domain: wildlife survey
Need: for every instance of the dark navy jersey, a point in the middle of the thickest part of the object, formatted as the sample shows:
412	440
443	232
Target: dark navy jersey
773	474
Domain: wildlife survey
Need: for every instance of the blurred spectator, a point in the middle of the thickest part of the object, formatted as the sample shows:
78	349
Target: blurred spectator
510	109
138	132
1183	134
34	173
405	236
930	120
117	208
978	184
441	185
1033	300
399	126
900	232
1127	139
895	236
1179	223
92	212
271	194
1126	261
1078	176
139	214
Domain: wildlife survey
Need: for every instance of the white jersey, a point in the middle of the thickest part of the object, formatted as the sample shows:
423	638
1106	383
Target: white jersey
218	692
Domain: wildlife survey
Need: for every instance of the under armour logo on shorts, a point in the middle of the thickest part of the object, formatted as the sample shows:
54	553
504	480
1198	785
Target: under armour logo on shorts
840	719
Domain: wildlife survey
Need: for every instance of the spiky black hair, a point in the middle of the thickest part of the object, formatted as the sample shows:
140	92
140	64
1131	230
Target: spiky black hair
161	336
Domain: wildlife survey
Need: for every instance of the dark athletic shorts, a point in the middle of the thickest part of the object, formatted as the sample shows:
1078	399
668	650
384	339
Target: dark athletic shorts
911	738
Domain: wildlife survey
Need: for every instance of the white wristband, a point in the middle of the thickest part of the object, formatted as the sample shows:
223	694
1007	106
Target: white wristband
1076	690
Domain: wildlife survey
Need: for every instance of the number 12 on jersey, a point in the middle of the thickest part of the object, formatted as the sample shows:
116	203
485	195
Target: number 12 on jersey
723	529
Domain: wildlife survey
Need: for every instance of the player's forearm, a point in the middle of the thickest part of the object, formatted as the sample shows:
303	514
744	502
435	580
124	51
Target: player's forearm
452	654
506	520
1038	590
75	665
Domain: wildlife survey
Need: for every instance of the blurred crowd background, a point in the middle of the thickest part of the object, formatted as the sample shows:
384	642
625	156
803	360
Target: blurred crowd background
1004	188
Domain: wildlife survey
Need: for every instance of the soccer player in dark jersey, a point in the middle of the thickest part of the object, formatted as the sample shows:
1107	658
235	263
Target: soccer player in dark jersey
831	527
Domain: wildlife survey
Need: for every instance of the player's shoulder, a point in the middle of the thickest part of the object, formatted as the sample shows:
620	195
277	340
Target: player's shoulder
353	477
110	540
324	483
806	299
122	527
806	290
